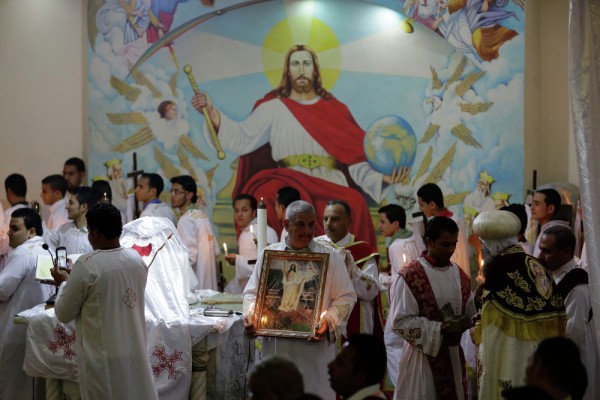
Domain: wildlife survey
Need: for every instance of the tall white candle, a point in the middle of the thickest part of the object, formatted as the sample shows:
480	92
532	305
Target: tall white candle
261	222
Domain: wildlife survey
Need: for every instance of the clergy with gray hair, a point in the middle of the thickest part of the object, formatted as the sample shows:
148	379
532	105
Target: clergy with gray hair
339	297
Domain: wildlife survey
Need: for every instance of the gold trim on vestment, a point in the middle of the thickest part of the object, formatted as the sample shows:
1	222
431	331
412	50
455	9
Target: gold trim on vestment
309	161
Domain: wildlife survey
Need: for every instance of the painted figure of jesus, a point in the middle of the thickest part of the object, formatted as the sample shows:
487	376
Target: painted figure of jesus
299	135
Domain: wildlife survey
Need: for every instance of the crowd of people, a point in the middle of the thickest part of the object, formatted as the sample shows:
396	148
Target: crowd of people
525	332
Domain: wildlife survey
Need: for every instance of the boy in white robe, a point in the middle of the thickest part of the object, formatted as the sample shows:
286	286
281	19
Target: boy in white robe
148	190
104	294
54	188
74	234
19	291
339	297
557	252
16	190
431	203
196	232
244	214
430	313
403	249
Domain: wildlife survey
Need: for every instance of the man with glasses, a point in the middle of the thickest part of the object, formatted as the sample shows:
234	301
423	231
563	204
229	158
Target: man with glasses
196	231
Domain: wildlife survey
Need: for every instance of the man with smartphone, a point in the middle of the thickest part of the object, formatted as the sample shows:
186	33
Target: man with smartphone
104	294
19	291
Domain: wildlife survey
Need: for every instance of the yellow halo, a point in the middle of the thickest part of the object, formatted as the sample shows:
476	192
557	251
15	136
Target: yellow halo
302	29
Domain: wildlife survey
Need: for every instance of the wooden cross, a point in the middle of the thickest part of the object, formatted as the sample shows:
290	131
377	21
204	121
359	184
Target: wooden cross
134	174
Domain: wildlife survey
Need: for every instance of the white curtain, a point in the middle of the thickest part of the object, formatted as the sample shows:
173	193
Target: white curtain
584	87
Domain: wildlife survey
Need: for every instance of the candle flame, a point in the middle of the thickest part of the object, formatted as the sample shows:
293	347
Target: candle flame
323	314
225	247
404	257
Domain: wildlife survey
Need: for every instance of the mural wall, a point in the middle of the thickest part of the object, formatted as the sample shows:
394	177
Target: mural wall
410	92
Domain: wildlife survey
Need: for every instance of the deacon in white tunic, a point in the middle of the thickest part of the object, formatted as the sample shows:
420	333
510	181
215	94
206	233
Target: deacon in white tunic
74	234
148	190
310	356
403	249
432	366
557	250
19	291
244	215
196	232
105	296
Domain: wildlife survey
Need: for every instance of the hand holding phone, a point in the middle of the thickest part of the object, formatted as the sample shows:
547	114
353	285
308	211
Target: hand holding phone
61	257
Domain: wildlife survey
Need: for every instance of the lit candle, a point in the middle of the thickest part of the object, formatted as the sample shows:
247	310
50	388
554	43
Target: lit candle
404	258
225	248
261	219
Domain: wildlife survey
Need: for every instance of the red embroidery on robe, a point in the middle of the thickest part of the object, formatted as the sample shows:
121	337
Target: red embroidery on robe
441	366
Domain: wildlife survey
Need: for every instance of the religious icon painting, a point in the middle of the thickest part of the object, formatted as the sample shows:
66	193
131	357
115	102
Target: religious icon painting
290	293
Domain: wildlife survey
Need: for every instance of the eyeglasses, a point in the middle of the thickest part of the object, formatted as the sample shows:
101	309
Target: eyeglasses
177	192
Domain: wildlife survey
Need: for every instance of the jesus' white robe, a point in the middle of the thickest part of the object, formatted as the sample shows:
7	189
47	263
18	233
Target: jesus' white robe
338	299
580	328
415	380
247	251
105	297
18	291
197	235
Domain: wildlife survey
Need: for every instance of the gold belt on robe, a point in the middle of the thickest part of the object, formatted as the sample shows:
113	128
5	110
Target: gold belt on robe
309	161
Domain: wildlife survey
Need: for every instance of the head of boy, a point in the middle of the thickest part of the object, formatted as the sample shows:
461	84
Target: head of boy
149	187
285	196
16	188
82	200
183	191
54	188
244	209
545	205
431	199
441	236
74	172
104	226
25	224
392	218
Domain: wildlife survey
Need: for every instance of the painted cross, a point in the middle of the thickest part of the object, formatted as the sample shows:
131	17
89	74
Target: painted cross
134	174
166	362
64	341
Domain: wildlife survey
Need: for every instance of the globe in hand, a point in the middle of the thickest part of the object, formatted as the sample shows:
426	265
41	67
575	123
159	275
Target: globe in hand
390	143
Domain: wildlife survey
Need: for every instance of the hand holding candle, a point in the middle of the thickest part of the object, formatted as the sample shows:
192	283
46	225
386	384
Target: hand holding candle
261	219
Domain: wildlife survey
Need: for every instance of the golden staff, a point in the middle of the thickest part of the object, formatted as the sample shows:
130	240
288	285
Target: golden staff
213	133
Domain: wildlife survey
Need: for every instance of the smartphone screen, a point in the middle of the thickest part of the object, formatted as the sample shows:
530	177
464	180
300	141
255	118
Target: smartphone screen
61	257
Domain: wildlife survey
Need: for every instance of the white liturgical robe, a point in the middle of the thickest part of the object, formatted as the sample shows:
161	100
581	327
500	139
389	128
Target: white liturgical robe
19	291
365	282
247	251
338	299
402	251
105	297
415	381
69	236
159	209
580	328
197	235
58	214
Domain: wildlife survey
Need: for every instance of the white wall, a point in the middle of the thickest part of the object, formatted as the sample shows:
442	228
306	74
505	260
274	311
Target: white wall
42	102
43	83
